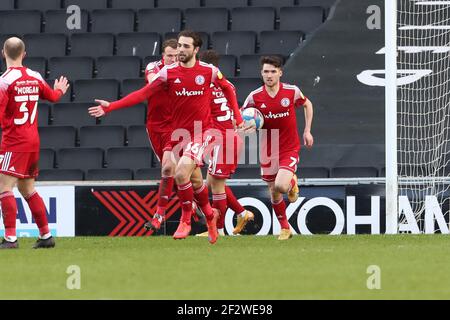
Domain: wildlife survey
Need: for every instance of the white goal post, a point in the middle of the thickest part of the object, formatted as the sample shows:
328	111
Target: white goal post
391	116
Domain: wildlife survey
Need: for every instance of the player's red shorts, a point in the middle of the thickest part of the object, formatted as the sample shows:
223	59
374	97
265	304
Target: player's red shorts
286	160
193	148
160	142
225	156
23	165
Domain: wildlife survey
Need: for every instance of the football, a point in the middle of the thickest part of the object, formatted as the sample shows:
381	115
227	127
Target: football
253	116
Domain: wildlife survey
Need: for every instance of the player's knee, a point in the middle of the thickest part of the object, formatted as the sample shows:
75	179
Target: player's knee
25	191
181	176
167	170
281	188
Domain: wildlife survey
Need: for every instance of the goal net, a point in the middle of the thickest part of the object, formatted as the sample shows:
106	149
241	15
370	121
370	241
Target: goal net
423	114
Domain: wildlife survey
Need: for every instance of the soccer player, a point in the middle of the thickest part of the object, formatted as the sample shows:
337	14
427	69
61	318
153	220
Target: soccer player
188	86
225	156
277	101
20	90
159	129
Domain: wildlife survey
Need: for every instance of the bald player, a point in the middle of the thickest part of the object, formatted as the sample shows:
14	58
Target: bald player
20	91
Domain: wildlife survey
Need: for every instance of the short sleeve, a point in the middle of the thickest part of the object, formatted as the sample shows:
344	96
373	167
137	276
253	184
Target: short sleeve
299	98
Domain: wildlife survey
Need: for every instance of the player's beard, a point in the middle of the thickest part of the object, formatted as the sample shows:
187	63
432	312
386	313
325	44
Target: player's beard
185	58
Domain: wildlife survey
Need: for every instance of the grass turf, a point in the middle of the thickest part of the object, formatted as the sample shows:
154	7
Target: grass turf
246	267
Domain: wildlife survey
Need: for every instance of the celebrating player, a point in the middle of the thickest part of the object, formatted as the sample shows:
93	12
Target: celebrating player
159	129
20	90
188	86
225	156
279	157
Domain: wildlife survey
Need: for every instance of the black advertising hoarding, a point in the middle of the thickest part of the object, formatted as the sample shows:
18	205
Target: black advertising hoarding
123	210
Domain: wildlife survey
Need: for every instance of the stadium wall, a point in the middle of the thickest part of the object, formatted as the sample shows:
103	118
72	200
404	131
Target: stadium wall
325	206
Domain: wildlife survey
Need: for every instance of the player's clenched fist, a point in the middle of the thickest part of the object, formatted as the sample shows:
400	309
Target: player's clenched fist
97	111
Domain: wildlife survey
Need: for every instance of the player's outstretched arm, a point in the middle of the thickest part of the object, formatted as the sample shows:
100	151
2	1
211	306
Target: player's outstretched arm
307	136
98	111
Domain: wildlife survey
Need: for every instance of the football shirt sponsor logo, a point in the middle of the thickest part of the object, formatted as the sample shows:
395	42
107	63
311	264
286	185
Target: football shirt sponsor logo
189	93
271	115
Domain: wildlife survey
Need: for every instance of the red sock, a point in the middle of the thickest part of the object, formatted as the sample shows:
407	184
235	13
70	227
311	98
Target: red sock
202	198
39	212
220	203
232	202
165	190
292	183
280	211
9	211
186	196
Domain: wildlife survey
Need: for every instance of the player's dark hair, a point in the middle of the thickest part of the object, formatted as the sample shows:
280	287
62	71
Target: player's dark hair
13	49
210	56
197	40
275	61
173	43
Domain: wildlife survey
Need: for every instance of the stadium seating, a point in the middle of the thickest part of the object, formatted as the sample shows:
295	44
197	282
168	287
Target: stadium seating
80	158
38	5
20	22
244	86
72	114
89	90
46	45
74	68
159	20
123	20
182	4
105	60
207	19
129	157
109	174
234	42
56	22
61	175
137	136
130	85
305	19
132	4
149	59
46	159
102	136
204	35
37	64
350	172
57	136
313	172
134	115
147	174
118	67
91	45
138	44
277	4
7	5
226	3
87	4
280	42
43	114
253	19
227	65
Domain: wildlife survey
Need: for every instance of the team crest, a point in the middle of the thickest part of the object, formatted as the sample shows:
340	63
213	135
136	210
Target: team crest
199	80
285	102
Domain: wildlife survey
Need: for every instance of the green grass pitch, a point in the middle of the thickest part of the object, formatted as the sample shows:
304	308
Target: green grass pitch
245	267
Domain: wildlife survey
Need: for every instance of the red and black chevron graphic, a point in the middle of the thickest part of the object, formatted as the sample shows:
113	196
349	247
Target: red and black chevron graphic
132	210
